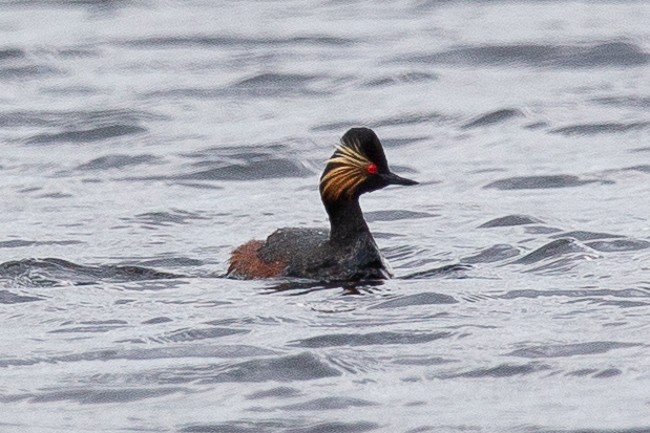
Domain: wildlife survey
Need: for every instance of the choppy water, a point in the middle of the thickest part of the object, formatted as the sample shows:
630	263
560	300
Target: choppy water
142	141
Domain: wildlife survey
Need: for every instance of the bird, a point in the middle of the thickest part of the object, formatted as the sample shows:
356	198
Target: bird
348	251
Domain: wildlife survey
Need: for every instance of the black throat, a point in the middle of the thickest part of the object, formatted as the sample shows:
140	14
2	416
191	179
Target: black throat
346	221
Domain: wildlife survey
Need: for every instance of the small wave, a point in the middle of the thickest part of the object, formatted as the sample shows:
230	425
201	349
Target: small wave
577	293
328	403
617	54
204	350
539	182
11	53
276	80
264	85
20	243
492	118
370	339
335	126
616	303
426	360
600	128
394	215
117	161
403	78
494	253
618	245
72	119
54	272
563	350
643	429
435	118
273	393
7	297
302	287
284	426
582	235
185	335
239	163
163	219
27	72
77	52
210	41
411	119
563	247
157	320
541	230
642	168
276	84
170	262
273	168
244	152
304	366
511	220
86	135
582	372
457	270
398	142
96	395
401	252
608	372
93	326
625	101
429	298
502	370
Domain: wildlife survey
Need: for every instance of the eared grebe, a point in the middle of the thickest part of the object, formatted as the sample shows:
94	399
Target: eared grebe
348	251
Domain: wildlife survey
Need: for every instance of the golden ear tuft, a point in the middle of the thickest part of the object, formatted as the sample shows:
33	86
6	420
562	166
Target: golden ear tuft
345	171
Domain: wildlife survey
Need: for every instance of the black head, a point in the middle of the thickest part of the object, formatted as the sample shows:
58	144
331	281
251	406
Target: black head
357	166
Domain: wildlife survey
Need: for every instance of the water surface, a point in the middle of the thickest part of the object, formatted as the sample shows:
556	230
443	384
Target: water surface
143	141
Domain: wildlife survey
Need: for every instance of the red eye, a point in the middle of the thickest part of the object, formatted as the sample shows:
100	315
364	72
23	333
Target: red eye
372	168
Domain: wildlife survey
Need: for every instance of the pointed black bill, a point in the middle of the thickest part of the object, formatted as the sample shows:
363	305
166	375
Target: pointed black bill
393	179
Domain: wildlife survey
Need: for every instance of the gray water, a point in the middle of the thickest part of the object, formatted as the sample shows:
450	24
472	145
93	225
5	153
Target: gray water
142	141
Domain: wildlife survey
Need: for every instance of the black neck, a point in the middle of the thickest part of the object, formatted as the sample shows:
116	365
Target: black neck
346	221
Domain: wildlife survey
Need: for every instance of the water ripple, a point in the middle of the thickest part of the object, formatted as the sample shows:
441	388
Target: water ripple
511	220
600	128
394	215
204	350
562	350
304	366
502	370
415	300
328	403
162	219
96	396
287	426
539	182
370	339
7	297
11	53
86	135
211	41
618	245
492	118
582	235
402	78
620	54
52	272
73	118
554	249
117	161
494	253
